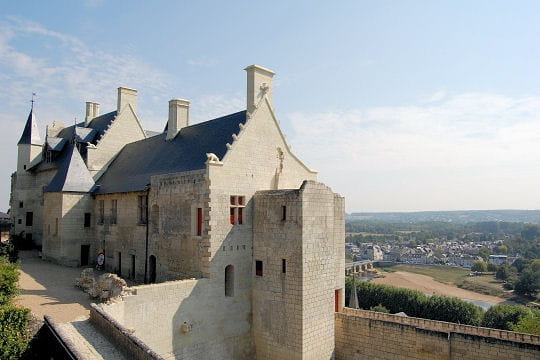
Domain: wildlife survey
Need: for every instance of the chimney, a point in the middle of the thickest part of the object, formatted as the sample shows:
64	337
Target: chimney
92	111
259	84
127	96
178	117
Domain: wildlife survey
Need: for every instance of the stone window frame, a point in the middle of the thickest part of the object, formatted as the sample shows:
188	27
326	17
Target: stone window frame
237	204
101	212
259	268
142	206
114	211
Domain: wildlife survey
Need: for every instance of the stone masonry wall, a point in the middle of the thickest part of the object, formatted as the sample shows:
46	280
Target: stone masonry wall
213	328
362	334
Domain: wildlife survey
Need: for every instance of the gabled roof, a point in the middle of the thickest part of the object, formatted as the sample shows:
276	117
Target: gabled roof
55	143
98	124
138	161
72	175
30	133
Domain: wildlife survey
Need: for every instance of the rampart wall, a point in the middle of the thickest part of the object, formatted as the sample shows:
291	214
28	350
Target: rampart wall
362	334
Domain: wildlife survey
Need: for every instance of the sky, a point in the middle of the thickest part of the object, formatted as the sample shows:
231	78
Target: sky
400	105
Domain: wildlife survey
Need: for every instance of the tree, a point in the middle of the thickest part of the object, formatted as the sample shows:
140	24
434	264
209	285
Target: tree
479	266
520	264
491	267
484	253
504	317
503	272
530	232
528	325
528	282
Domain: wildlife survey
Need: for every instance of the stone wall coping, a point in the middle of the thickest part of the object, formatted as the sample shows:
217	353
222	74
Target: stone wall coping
444	326
97	312
67	342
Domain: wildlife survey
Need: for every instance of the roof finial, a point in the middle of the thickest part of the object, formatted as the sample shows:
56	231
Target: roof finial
32	101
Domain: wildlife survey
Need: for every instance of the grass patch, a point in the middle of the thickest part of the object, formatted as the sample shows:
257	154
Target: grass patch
444	274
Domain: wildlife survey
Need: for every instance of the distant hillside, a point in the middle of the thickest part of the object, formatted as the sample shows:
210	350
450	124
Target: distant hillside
459	217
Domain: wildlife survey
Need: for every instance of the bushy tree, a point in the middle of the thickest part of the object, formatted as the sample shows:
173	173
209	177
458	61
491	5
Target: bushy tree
491	267
9	278
505	316
528	325
528	282
503	272
479	266
379	308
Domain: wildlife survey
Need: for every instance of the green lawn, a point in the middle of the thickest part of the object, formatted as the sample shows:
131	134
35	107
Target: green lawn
444	274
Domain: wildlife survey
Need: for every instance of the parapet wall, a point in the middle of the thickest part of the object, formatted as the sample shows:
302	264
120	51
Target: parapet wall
362	334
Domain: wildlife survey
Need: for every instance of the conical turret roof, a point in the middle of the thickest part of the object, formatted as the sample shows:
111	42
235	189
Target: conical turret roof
30	133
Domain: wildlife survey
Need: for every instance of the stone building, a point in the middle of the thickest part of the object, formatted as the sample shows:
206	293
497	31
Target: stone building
223	207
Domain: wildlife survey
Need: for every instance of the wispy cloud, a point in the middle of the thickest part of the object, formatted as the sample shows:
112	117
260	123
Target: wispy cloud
479	145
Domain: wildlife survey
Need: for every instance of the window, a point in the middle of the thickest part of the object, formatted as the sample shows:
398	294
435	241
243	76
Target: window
236	213
199	221
87	218
229	280
56	226
258	268
101	218
143	209
114	211
21	204
283	266
29	218
283	213
19	221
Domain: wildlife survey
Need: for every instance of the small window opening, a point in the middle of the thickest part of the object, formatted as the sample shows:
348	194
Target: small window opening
283	266
21	204
19	221
143	209
101	218
87	218
258	268
229	280
56	226
199	221
114	211
283	213
29	218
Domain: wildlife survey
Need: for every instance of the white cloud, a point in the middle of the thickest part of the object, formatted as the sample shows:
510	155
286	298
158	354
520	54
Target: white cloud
480	149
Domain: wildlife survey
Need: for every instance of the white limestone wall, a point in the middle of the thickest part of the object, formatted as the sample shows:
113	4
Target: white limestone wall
173	203
125	240
323	259
52	244
125	129
28	188
214	329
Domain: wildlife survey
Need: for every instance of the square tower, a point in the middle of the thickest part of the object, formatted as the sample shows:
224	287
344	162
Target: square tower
299	275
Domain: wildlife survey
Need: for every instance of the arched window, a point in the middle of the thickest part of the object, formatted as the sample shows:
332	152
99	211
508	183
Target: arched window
229	280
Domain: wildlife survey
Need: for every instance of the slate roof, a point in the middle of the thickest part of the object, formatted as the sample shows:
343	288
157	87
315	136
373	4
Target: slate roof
55	143
30	133
72	174
98	124
138	161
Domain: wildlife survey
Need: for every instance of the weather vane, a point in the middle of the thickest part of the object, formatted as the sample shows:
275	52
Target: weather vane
32	101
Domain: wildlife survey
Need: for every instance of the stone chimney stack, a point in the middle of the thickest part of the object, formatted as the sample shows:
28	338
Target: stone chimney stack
259	84
178	117
92	111
127	96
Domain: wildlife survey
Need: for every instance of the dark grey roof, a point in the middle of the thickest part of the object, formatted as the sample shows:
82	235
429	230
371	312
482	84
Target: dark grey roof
72	175
30	133
99	124
138	161
55	143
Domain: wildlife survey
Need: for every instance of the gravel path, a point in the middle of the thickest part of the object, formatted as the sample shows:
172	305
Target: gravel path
47	289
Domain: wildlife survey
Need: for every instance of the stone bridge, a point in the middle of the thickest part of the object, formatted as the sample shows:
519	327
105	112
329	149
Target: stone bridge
358	267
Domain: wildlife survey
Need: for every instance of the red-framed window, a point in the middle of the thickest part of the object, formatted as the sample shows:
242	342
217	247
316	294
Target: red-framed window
236	212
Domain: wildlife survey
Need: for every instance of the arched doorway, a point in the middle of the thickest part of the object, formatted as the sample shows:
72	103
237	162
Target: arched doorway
152	265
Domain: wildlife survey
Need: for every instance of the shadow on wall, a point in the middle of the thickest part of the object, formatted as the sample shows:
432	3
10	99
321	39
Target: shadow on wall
214	321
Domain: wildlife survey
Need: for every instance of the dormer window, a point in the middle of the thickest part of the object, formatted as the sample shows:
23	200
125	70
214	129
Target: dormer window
48	156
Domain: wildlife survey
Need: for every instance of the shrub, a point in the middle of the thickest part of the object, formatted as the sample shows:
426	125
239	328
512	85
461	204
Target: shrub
479	266
529	325
491	267
415	303
9	277
13	331
504	317
379	308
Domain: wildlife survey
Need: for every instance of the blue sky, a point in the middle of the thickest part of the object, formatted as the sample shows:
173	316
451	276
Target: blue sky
401	105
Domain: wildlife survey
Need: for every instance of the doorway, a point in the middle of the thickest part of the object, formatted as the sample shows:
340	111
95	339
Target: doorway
119	273
152	263
85	253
